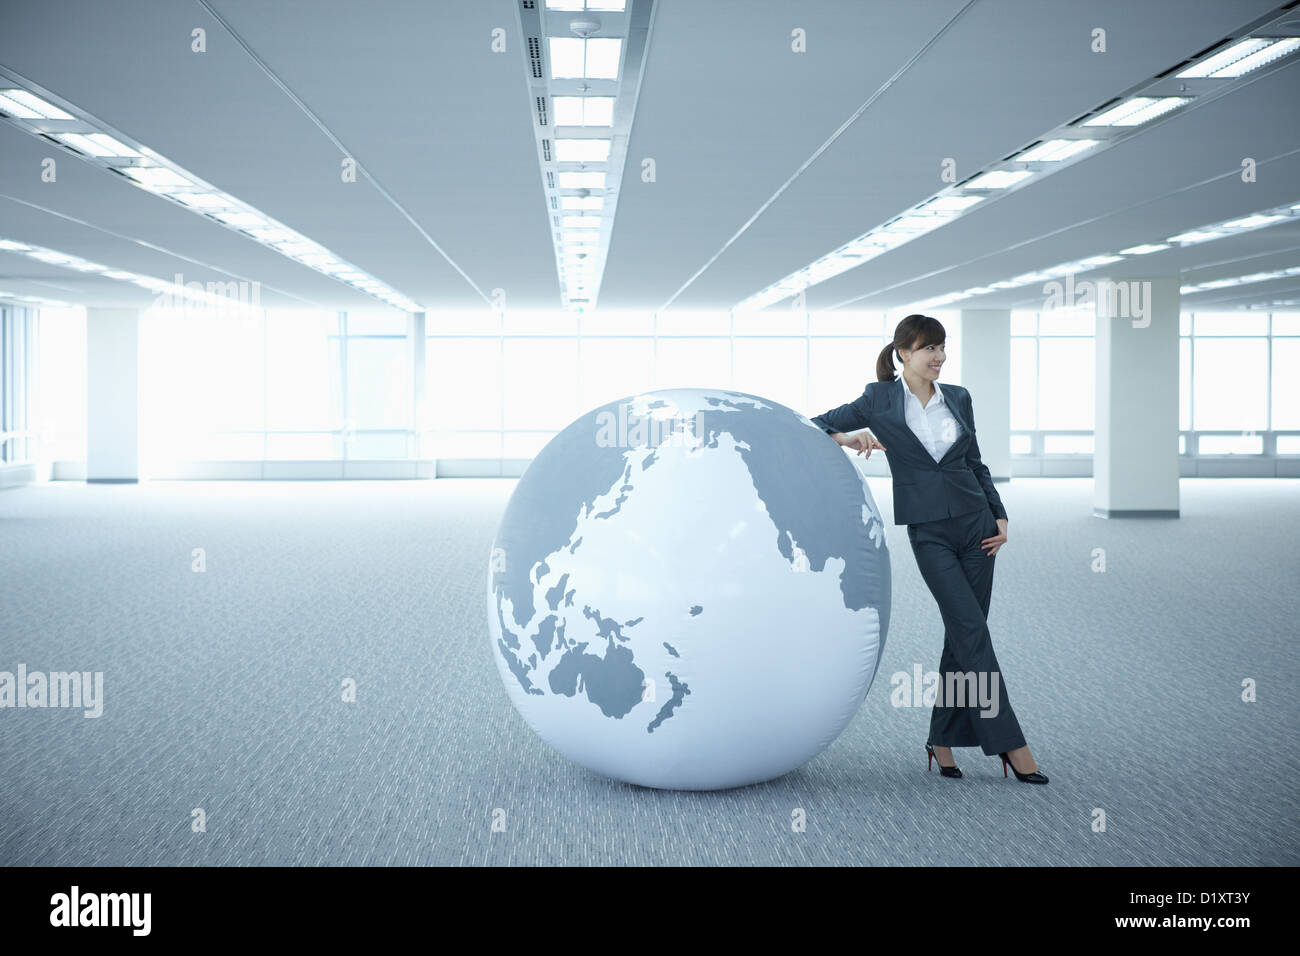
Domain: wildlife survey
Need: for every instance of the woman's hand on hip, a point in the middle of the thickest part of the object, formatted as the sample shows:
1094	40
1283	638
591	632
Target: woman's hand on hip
998	540
863	442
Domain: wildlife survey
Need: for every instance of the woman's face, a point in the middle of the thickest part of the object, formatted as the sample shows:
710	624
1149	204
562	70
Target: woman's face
925	363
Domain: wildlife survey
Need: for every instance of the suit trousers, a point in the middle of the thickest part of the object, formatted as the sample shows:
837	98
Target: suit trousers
959	574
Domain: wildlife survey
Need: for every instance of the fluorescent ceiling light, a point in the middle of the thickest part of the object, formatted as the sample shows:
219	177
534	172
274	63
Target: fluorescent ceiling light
573	58
97	144
582	180
581	150
1099	260
26	110
1196	235
583	110
581	202
9	244
14	108
298	247
998	179
119	274
602	58
57	258
1136	111
1055	150
271	234
1274	51
864	246
1144	249
568	58
1250	222
155	177
914	224
567	110
26	105
1232	54
950	204
598	111
240	219
202	200
115	147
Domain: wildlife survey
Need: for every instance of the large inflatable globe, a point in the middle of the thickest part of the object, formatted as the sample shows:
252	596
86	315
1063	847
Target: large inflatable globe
689	590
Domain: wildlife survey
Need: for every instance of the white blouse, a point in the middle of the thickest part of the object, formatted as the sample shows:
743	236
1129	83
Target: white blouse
933	424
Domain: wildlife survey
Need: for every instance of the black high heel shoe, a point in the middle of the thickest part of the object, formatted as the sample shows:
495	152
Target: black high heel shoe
1034	777
945	771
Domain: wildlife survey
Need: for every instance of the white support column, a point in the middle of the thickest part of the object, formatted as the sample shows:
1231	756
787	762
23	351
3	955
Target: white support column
415	334
112	395
986	374
1135	456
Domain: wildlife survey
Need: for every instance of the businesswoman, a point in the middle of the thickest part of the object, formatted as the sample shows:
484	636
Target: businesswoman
955	521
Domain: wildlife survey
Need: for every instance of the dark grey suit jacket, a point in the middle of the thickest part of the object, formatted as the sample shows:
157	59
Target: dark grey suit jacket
924	489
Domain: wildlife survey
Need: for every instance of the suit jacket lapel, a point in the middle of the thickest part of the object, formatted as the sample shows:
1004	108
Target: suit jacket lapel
899	412
949	399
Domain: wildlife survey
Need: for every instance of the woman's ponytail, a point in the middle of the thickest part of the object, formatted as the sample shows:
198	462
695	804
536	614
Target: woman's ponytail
885	364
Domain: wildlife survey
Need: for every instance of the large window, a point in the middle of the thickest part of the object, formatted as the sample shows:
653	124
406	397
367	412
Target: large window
1055	348
295	384
17	368
377	401
1232	399
304	404
254	385
1237	396
501	387
61	384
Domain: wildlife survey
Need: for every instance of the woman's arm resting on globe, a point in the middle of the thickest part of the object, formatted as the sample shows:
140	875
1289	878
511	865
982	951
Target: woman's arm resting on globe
854	416
861	442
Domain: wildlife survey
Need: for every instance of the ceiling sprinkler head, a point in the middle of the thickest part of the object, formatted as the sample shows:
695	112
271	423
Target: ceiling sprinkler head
584	26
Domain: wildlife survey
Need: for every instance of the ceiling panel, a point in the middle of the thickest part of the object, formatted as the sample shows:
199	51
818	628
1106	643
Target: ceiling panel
413	90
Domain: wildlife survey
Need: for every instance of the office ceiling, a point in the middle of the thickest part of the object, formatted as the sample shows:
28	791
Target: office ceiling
727	111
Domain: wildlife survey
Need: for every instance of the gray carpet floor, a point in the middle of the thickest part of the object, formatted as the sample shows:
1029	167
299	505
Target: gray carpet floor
222	693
